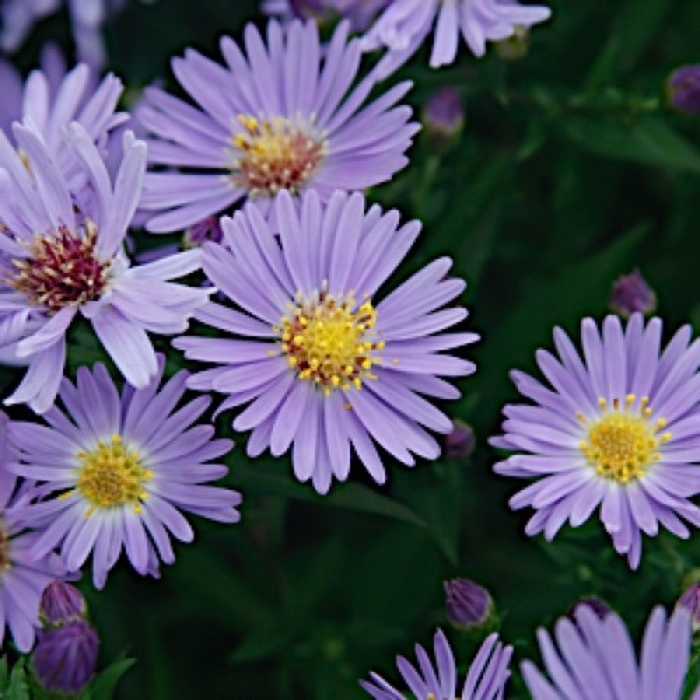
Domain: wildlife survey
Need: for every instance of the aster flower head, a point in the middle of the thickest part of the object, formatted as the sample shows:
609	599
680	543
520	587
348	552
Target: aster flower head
324	363
121	467
595	658
485	679
618	430
284	117
61	252
405	24
23	577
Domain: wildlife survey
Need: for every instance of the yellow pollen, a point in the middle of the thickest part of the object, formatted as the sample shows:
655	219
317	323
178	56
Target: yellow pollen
329	340
111	476
276	154
623	442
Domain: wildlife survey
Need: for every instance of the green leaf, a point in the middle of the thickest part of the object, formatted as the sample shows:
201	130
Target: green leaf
103	685
630	35
350	496
647	139
17	688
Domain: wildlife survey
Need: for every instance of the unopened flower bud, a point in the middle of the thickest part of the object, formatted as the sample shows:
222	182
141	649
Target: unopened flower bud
631	294
61	603
468	604
443	115
601	609
459	443
65	658
683	89
690	600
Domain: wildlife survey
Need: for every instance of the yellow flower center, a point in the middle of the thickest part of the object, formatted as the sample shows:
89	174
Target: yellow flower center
624	441
111	476
276	154
329	341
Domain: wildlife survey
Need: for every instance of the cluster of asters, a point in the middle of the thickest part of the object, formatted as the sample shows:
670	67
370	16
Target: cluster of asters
263	164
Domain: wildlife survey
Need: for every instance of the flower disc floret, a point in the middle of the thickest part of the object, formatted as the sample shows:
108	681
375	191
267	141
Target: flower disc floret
275	154
327	340
61	270
619	430
111	475
623	443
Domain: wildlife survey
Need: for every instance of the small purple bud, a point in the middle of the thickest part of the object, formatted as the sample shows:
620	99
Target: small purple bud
690	600
630	294
683	89
601	609
61	603
459	443
468	604
443	114
208	229
65	658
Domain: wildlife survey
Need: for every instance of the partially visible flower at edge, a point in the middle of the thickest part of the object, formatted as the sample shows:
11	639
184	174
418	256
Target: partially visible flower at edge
23	577
125	465
404	25
596	659
486	678
321	366
62	253
620	432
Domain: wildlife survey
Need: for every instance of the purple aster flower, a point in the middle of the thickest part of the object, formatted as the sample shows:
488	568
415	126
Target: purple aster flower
65	658
405	24
17	18
122	469
323	363
23	577
596	659
359	13
284	118
619	429
61	253
485	680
